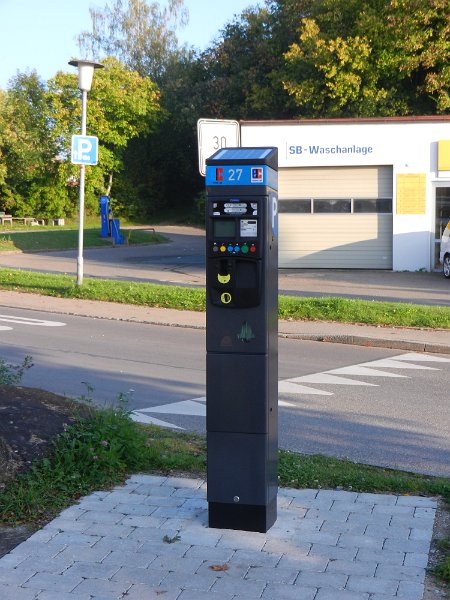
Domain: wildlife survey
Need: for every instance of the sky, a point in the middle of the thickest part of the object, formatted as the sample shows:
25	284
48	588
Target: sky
41	34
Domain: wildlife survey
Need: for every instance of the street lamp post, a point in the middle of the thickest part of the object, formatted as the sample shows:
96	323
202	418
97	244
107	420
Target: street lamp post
85	76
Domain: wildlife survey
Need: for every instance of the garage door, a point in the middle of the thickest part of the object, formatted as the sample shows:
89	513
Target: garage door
338	218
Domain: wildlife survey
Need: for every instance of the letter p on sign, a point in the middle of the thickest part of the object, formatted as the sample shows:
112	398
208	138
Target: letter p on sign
84	150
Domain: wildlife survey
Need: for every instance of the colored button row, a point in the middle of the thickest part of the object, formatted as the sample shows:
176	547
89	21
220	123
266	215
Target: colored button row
245	249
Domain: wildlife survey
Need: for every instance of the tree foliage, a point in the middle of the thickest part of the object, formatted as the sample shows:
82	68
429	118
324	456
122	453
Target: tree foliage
277	60
139	34
122	105
41	119
242	69
371	58
28	148
421	49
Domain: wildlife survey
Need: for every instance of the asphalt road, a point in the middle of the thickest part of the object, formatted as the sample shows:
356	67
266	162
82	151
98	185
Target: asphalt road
182	261
390	414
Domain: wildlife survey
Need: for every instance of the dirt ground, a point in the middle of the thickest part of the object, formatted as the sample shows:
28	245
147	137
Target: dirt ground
29	420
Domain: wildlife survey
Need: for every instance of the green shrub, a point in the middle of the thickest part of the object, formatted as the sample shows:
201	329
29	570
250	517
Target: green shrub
12	374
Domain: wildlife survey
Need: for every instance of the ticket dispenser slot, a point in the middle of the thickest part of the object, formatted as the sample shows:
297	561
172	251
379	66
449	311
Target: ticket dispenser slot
235	283
241	337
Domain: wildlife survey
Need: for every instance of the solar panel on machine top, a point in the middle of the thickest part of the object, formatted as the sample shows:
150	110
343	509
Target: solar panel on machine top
243	153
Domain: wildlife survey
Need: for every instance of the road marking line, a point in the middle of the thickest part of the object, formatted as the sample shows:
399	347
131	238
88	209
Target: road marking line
139	418
413	356
294	385
4	328
329	379
389	363
186	407
284	403
290	387
34	322
364	371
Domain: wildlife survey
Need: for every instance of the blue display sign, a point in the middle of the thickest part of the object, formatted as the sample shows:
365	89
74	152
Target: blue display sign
239	175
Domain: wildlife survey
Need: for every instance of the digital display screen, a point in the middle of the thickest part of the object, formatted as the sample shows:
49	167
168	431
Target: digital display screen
249	228
224	228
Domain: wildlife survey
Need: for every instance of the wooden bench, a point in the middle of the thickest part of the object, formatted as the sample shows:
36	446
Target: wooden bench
6	219
24	220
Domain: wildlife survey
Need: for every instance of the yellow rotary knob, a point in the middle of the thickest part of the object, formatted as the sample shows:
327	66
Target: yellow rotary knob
223	278
225	298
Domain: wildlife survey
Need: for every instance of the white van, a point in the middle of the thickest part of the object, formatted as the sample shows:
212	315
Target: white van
444	256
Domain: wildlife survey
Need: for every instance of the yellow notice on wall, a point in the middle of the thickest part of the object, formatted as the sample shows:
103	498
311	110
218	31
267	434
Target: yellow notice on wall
444	155
411	194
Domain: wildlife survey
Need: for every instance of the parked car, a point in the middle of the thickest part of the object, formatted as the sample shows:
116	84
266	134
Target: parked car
444	255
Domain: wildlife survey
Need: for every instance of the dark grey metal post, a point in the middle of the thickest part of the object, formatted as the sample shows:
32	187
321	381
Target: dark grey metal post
242	337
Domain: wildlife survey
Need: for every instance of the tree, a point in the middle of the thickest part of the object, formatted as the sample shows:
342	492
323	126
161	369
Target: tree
336	77
122	105
368	58
29	151
139	34
241	70
421	50
3	128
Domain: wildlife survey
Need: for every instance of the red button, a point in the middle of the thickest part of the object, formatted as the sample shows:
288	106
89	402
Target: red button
252	248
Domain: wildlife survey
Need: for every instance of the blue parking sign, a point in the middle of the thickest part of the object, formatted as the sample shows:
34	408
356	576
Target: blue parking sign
84	150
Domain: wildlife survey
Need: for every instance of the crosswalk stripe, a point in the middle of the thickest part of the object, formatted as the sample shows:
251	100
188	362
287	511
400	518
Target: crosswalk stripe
290	387
140	418
294	385
327	379
185	407
389	363
421	358
363	371
284	403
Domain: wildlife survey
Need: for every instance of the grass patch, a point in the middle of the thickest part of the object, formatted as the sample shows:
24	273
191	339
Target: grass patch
181	298
364	311
67	239
442	571
317	471
101	450
124	292
96	453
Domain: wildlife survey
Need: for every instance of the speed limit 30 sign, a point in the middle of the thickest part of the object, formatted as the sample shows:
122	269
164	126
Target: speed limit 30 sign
214	134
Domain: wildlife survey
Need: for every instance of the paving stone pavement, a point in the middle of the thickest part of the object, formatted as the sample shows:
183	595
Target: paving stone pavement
149	539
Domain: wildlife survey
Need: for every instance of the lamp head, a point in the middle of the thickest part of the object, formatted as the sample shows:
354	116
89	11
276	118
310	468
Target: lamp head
85	72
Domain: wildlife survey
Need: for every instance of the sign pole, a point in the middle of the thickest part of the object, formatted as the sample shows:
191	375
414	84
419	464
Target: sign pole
85	75
81	198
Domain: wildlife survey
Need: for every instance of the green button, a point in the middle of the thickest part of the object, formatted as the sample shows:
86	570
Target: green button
244	249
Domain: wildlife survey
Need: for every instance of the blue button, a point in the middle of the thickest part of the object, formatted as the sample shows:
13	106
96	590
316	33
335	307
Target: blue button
237	249
230	248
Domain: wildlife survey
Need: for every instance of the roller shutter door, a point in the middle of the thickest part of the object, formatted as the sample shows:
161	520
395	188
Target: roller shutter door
338	218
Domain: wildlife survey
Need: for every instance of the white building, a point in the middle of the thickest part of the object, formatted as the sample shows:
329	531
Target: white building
359	193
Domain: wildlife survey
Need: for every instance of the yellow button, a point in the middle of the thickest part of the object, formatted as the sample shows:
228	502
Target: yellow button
222	248
225	298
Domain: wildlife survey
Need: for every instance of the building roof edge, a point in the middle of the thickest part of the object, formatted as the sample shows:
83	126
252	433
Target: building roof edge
346	121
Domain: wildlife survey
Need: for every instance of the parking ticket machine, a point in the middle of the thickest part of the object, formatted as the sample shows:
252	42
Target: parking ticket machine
242	337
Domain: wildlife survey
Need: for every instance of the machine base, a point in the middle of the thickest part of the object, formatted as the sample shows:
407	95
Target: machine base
246	517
